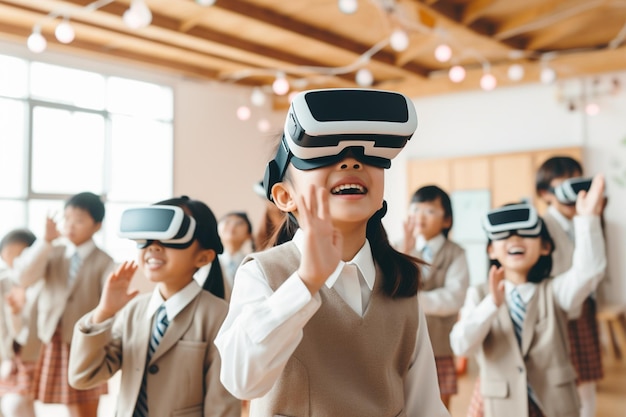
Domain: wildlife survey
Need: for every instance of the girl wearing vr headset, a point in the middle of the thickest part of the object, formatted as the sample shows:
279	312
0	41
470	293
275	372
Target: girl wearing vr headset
328	323
516	323
161	341
584	337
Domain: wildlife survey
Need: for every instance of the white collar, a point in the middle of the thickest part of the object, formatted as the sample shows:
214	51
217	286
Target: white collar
435	244
363	261
176	303
83	250
525	290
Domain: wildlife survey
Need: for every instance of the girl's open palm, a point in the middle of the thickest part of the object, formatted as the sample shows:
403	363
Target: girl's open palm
115	294
322	242
496	284
592	201
409	236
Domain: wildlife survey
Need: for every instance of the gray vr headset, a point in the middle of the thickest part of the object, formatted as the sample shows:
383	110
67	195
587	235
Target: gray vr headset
518	219
167	224
567	191
323	127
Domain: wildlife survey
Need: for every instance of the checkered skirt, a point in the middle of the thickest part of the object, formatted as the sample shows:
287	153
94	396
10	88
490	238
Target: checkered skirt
446	373
584	340
21	379
51	384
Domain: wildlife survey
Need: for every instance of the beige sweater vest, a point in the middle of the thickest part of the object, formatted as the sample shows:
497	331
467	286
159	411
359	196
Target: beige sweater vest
439	327
542	361
345	365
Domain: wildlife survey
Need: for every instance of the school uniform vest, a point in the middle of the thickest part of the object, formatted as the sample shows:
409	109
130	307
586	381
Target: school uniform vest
345	365
439	327
542	361
60	304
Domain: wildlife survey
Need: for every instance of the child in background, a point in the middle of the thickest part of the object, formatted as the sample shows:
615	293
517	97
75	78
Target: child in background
175	375
235	231
73	274
444	280
583	332
516	324
329	323
20	346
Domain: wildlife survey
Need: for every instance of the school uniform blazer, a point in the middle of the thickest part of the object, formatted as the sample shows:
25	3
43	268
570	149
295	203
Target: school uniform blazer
57	302
542	361
183	373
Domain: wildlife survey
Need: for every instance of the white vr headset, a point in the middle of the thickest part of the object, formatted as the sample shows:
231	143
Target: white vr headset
323	127
567	191
519	219
167	224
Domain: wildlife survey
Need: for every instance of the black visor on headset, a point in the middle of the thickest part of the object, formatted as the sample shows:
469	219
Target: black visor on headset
167	224
323	127
567	191
519	219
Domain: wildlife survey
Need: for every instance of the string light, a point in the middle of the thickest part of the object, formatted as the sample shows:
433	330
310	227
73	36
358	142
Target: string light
456	74
515	72
592	109
138	16
257	97
443	53
348	6
243	113
36	42
263	125
547	75
488	82
64	32
280	86
206	3
399	40
364	77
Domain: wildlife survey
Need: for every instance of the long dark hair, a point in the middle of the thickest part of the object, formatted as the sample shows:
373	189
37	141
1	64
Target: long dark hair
401	273
541	270
207	237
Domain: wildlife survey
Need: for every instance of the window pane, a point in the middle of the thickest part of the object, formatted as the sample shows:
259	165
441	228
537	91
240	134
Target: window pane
13	216
120	249
142	151
67	85
139	98
67	151
12	158
13	77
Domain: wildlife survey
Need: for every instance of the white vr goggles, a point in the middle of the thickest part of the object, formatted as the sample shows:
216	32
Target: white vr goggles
167	224
518	219
323	127
567	191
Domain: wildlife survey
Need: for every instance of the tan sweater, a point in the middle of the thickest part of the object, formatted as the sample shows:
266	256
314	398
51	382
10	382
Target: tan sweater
543	361
345	365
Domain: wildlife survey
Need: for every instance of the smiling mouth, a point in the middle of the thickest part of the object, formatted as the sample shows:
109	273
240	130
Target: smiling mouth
348	189
516	251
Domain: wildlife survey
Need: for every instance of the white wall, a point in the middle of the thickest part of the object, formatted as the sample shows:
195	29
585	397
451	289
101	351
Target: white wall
523	118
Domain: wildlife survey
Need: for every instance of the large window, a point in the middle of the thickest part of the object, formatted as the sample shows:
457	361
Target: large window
65	130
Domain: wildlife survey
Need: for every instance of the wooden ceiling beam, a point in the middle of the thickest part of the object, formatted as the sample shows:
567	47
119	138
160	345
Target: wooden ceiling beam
475	9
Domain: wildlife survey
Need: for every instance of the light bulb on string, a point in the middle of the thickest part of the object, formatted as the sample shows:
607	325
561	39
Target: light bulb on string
488	82
592	108
206	3
138	15
243	113
348	6
364	77
36	42
456	74
64	32
257	97
547	75
280	86
263	125
515	72
399	40
443	53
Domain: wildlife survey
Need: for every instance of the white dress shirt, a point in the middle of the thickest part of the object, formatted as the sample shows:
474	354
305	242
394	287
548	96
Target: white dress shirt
264	327
446	300
569	288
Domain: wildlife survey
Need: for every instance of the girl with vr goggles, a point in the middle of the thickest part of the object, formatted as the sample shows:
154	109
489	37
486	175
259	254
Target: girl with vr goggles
516	324
328	323
162	341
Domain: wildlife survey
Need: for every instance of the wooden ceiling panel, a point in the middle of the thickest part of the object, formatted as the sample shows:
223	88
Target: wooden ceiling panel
317	46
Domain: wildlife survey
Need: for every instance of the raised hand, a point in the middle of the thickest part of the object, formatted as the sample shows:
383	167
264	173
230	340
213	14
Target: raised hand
408	242
51	232
322	242
591	202
115	293
496	284
16	299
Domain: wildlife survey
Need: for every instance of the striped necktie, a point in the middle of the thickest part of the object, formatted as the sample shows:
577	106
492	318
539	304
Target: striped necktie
158	330
517	310
75	263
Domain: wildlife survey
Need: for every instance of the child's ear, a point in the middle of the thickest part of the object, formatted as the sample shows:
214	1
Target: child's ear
447	222
283	198
490	253
205	257
546	248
